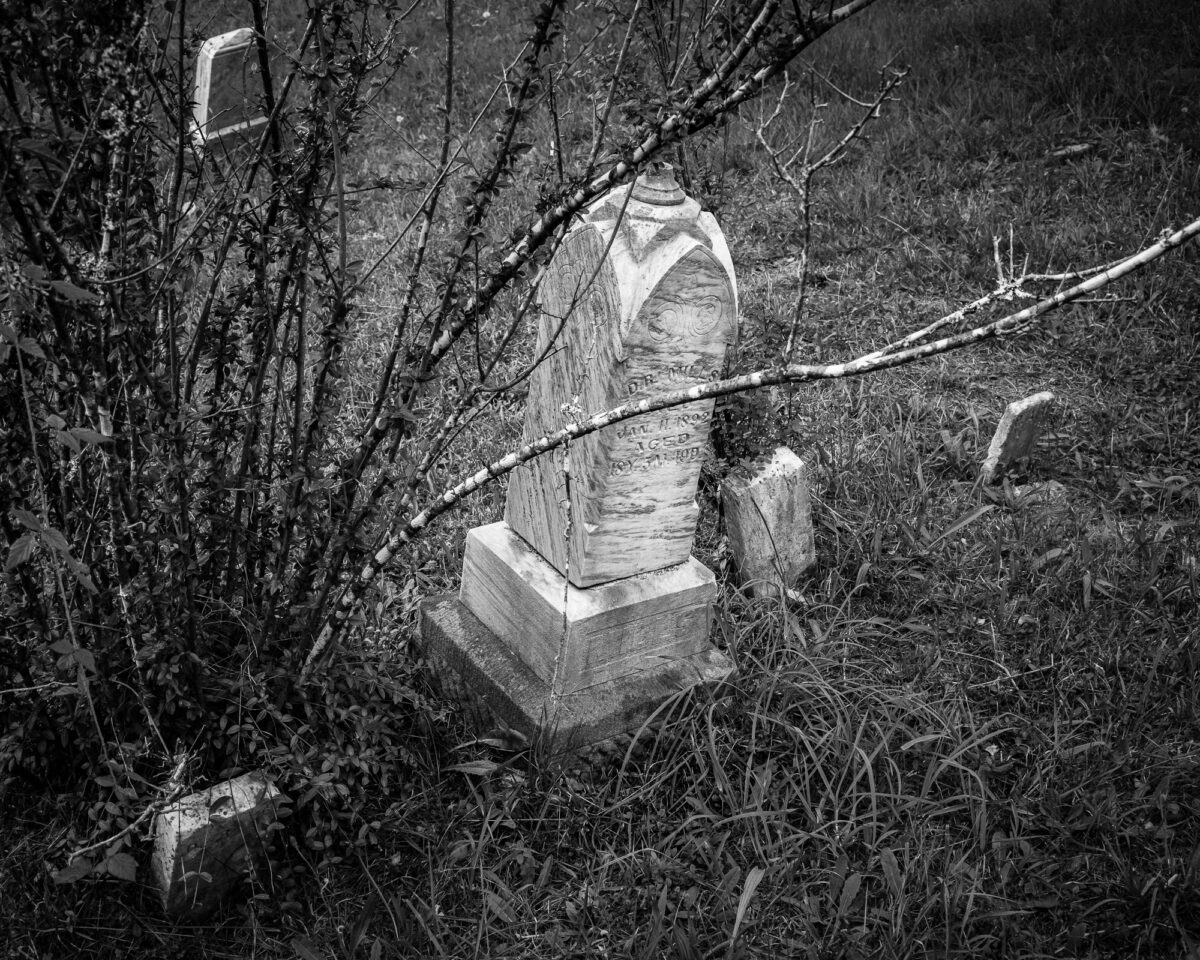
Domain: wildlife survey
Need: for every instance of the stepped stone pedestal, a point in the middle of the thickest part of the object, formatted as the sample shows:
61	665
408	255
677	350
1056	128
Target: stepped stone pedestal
582	610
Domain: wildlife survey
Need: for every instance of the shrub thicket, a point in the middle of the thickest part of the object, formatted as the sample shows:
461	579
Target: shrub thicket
173	335
197	445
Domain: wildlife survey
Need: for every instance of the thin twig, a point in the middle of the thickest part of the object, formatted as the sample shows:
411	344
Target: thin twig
36	687
801	181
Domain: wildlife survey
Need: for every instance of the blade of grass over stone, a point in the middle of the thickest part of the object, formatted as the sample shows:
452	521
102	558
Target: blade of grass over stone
753	878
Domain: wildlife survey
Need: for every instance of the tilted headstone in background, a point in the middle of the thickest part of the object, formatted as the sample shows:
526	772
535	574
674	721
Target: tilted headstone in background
768	519
1017	434
228	100
205	843
583	609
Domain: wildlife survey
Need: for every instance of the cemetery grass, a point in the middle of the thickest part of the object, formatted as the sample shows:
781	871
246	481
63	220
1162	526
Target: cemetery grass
977	731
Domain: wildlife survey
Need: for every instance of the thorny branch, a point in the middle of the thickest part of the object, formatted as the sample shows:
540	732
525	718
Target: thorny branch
721	93
171	792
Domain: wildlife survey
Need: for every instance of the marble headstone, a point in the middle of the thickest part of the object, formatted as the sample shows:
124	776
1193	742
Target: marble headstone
227	103
584	608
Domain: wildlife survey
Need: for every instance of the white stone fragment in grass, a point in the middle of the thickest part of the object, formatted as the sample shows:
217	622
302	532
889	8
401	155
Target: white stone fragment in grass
1017	434
768	519
1049	494
206	842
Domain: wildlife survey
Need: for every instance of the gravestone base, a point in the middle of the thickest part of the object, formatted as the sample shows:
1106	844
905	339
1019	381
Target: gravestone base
578	637
475	666
572	664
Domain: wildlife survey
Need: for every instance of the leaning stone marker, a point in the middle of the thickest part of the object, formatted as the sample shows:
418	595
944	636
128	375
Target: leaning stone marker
205	843
768	519
227	104
582	610
1017	434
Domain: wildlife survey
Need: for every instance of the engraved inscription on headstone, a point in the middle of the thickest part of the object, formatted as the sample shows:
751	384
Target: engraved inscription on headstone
228	97
647	283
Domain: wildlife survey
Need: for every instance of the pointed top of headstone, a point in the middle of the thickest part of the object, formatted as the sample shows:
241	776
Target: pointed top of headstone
657	186
653	210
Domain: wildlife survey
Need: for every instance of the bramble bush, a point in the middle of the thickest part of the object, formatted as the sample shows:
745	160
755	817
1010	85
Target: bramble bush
173	336
198	449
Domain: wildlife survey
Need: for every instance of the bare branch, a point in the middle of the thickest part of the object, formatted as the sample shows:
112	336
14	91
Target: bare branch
172	792
598	140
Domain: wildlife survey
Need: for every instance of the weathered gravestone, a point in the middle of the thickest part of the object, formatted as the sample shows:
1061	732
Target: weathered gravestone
228	103
1017	434
205	844
581	611
768	520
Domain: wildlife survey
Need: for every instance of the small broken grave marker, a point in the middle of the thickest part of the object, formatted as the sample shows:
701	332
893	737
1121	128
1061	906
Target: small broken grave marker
768	519
1017	434
205	843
